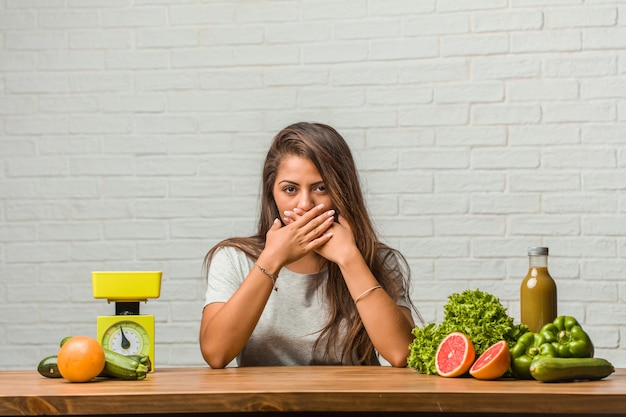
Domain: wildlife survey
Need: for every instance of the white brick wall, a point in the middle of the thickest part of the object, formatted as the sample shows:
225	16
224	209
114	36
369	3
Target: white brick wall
132	134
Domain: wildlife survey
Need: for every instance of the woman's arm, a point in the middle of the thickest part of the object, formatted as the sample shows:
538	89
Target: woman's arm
388	325
226	327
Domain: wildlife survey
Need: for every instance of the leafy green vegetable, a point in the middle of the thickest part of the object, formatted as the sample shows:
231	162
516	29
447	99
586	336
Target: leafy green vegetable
478	314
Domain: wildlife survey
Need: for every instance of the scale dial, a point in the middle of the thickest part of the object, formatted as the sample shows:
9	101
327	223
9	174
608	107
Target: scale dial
127	337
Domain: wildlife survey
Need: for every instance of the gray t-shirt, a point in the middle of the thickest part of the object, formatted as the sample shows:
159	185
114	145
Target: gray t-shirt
291	321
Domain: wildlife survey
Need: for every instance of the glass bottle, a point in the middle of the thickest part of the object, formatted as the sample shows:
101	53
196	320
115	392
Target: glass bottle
538	301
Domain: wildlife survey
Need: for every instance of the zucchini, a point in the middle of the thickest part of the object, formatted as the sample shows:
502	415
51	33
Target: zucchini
49	367
120	366
570	369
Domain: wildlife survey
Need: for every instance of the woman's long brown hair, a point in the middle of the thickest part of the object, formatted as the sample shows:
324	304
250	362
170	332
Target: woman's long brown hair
328	151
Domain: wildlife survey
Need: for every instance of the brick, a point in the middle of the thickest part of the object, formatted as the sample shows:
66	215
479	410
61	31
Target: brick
605	226
434	159
439	115
498	68
435	24
395	49
326	97
174	38
473	92
467	45
135	103
354	75
113	251
504	158
471	136
29	210
437	70
62	104
30	167
584	64
545	225
68	19
579	203
544	182
273	76
369	29
107	83
135	230
220	13
513	20
134	17
69	231
35	40
60	188
81	166
495	114
18	20
17	105
579	158
613	87
587	16
544	135
472	226
68	145
328	9
41	83
136	187
353	51
531	90
504	204
109	39
472	181
109	124
150	60
167	166
166	81
460	5
433	204
230	35
165	124
399	138
604	38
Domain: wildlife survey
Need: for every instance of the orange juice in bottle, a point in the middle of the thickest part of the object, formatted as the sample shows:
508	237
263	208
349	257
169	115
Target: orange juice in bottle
538	301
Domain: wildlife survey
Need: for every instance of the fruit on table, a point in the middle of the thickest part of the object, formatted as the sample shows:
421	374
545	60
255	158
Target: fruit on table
493	363
455	355
80	359
570	369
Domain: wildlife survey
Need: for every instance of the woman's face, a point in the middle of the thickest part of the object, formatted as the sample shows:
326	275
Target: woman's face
299	184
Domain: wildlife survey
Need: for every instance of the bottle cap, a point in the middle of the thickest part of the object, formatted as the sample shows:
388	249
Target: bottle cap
537	250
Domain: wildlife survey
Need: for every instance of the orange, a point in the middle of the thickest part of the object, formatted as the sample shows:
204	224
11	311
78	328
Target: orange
80	359
455	355
493	363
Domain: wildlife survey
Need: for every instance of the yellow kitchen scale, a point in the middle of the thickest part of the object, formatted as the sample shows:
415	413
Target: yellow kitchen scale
127	332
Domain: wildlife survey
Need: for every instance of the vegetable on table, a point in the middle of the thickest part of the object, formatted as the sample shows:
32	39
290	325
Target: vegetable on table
529	347
570	369
477	314
568	338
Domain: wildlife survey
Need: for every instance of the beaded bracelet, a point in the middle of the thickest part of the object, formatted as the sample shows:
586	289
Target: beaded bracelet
364	293
271	276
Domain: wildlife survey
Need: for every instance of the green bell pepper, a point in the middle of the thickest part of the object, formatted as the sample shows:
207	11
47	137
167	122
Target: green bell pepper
529	347
568	338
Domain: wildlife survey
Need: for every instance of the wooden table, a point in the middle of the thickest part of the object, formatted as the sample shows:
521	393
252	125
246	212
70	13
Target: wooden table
306	391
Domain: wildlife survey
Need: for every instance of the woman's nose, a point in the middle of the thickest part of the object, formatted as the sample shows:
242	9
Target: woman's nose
305	202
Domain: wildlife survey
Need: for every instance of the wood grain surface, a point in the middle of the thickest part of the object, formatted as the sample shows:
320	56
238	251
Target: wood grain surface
302	390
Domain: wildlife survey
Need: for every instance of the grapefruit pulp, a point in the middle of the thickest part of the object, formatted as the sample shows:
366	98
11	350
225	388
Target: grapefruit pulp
455	355
493	363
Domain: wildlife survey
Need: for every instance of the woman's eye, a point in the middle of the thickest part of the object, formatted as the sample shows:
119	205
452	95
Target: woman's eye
321	189
289	190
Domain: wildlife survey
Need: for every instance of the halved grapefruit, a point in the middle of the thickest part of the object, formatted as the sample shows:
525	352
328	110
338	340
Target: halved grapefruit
493	363
455	355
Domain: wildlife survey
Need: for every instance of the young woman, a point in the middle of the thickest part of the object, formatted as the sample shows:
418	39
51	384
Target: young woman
314	285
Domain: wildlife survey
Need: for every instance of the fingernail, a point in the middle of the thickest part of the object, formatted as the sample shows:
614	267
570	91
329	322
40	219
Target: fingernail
330	212
321	206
